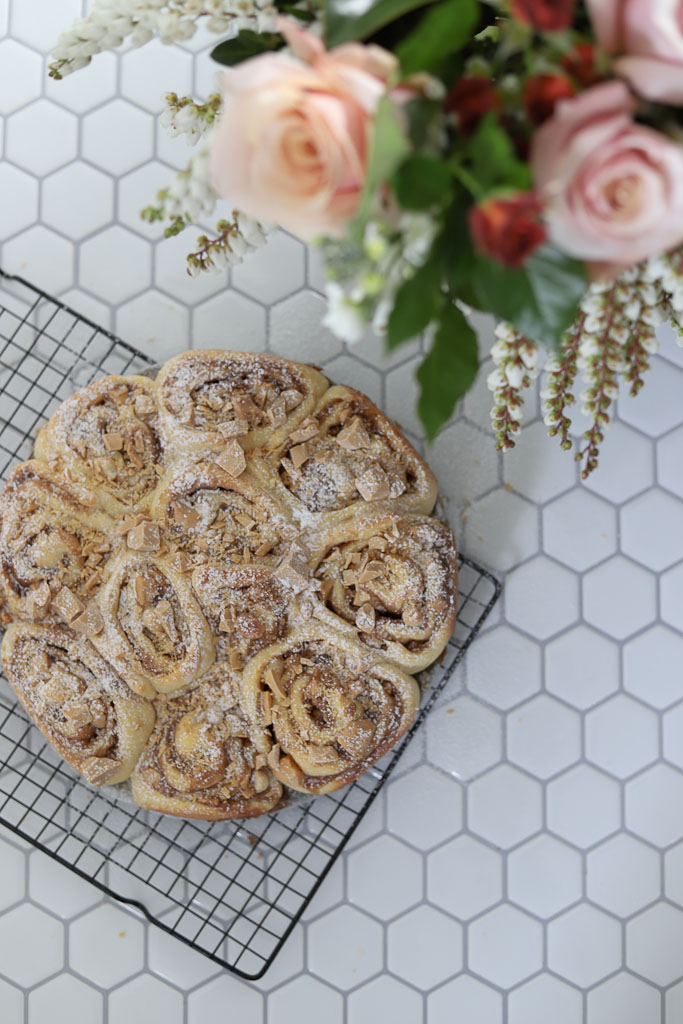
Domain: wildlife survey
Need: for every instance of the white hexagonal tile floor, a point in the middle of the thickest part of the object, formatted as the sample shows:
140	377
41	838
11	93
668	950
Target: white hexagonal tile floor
525	864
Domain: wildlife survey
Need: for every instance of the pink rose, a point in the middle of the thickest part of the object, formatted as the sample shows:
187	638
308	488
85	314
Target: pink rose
613	189
649	35
292	142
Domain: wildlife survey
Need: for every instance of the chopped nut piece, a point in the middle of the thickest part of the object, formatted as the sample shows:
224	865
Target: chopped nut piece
360	597
353	436
93	582
265	548
349	578
324	455
160	617
112	442
144	537
232	458
145	591
40	597
180	562
98	711
79	445
226	623
267	707
68	605
126	525
119	393
244	407
277	414
293	570
99	770
326	590
299	454
274	757
89	622
144	406
369	575
292	398
235	662
184	516
273	683
373	485
245	520
260	780
260	761
234	428
345	413
378	542
305	431
365	619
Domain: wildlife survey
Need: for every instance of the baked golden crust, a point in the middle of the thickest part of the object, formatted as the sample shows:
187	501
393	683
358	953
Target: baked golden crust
77	701
239	549
200	761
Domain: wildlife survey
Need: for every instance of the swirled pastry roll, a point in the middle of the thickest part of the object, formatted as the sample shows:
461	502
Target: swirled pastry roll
77	701
210	514
323	710
105	436
50	537
345	459
200	761
206	397
246	606
393	581
155	634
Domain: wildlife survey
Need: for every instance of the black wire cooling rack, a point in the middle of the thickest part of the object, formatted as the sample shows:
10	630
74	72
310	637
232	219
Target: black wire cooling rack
232	890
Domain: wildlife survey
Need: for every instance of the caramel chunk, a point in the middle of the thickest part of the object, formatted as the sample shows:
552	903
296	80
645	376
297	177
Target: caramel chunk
353	436
184	516
373	485
89	622
277	414
292	398
68	605
308	429
264	549
112	442
160	617
244	406
267	707
273	683
234	428
145	591
144	406
119	393
39	599
232	458
293	570
181	562
299	454
274	757
365	618
144	537
235	662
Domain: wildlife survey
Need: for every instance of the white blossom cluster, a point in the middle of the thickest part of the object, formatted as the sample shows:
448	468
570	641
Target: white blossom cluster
612	338
516	362
110	22
235	240
185	117
190	197
366	282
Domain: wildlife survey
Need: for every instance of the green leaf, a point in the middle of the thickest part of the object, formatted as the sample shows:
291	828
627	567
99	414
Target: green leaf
389	147
443	30
492	159
246	44
540	300
346	20
416	304
296	12
448	371
421	182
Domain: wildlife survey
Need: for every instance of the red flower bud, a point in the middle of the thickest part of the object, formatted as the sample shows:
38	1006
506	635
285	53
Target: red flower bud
545	15
508	229
581	64
542	92
471	99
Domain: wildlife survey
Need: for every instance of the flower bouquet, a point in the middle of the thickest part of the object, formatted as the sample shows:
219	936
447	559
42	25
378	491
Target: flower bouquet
519	157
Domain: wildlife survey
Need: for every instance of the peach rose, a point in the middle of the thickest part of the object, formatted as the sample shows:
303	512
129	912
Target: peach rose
291	146
613	189
648	36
